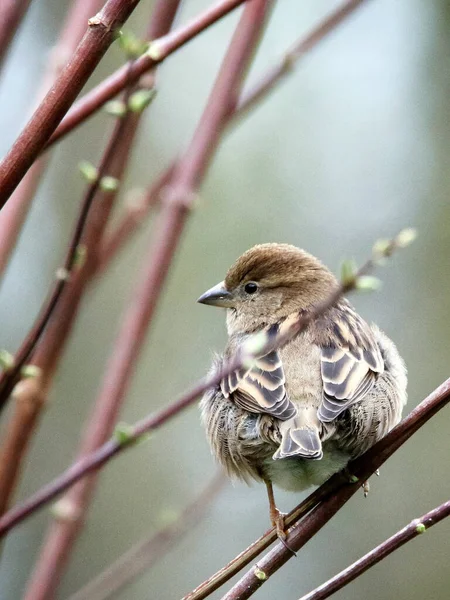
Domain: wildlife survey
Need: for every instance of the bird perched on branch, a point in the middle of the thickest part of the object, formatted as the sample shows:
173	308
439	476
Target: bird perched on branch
297	414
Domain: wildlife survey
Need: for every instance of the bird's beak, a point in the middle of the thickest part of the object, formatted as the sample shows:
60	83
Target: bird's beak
217	296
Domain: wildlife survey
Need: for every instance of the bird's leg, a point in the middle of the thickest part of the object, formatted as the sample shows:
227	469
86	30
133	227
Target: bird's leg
277	517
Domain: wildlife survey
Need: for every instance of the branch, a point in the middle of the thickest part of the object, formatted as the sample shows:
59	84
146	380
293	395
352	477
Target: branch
11	15
9	377
259	344
63	532
415	528
102	31
361	469
56	319
134	216
14	213
159	50
146	553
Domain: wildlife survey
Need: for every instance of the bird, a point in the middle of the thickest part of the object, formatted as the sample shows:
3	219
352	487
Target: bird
294	416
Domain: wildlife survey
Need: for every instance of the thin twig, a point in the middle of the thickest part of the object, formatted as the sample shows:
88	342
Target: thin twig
9	377
149	551
63	532
14	212
408	533
115	83
12	13
61	311
91	462
102	31
133	217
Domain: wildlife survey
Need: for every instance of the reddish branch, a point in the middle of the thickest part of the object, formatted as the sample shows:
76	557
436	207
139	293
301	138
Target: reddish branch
148	552
9	377
14	213
134	216
361	468
100	34
115	83
11	14
408	533
56	319
63	533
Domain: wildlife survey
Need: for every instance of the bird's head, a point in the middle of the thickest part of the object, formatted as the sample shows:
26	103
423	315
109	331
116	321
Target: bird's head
268	282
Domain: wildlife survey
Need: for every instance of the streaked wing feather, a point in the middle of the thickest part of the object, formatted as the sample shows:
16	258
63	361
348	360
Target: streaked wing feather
350	361
260	388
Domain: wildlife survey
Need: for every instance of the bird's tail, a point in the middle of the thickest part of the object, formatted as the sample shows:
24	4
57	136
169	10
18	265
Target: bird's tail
299	439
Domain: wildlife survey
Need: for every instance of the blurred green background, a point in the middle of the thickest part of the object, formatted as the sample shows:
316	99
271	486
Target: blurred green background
353	146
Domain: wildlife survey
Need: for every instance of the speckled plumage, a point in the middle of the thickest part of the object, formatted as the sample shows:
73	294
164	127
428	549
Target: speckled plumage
299	414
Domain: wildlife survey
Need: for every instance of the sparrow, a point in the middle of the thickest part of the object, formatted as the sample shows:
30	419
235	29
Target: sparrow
296	415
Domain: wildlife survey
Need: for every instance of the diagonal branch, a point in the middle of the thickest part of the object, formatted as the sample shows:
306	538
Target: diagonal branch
361	468
408	533
102	31
56	319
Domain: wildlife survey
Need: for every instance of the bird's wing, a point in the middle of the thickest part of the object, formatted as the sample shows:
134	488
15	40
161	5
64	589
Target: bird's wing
350	360
260	387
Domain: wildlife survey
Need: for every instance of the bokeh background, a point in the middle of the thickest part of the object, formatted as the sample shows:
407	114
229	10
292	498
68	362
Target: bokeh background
352	147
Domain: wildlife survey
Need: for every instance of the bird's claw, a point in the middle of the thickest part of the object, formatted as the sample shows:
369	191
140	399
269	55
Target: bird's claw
277	518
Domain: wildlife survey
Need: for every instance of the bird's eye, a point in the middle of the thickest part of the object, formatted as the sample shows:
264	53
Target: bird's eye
251	287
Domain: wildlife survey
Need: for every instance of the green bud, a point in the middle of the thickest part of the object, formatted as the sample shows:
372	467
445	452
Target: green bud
116	108
353	479
30	371
368	283
406	237
88	171
80	256
381	249
6	360
109	184
141	99
259	574
420	528
123	433
348	271
132	45
155	52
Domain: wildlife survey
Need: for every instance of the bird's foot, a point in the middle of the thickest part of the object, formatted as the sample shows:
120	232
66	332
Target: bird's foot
366	488
278	521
